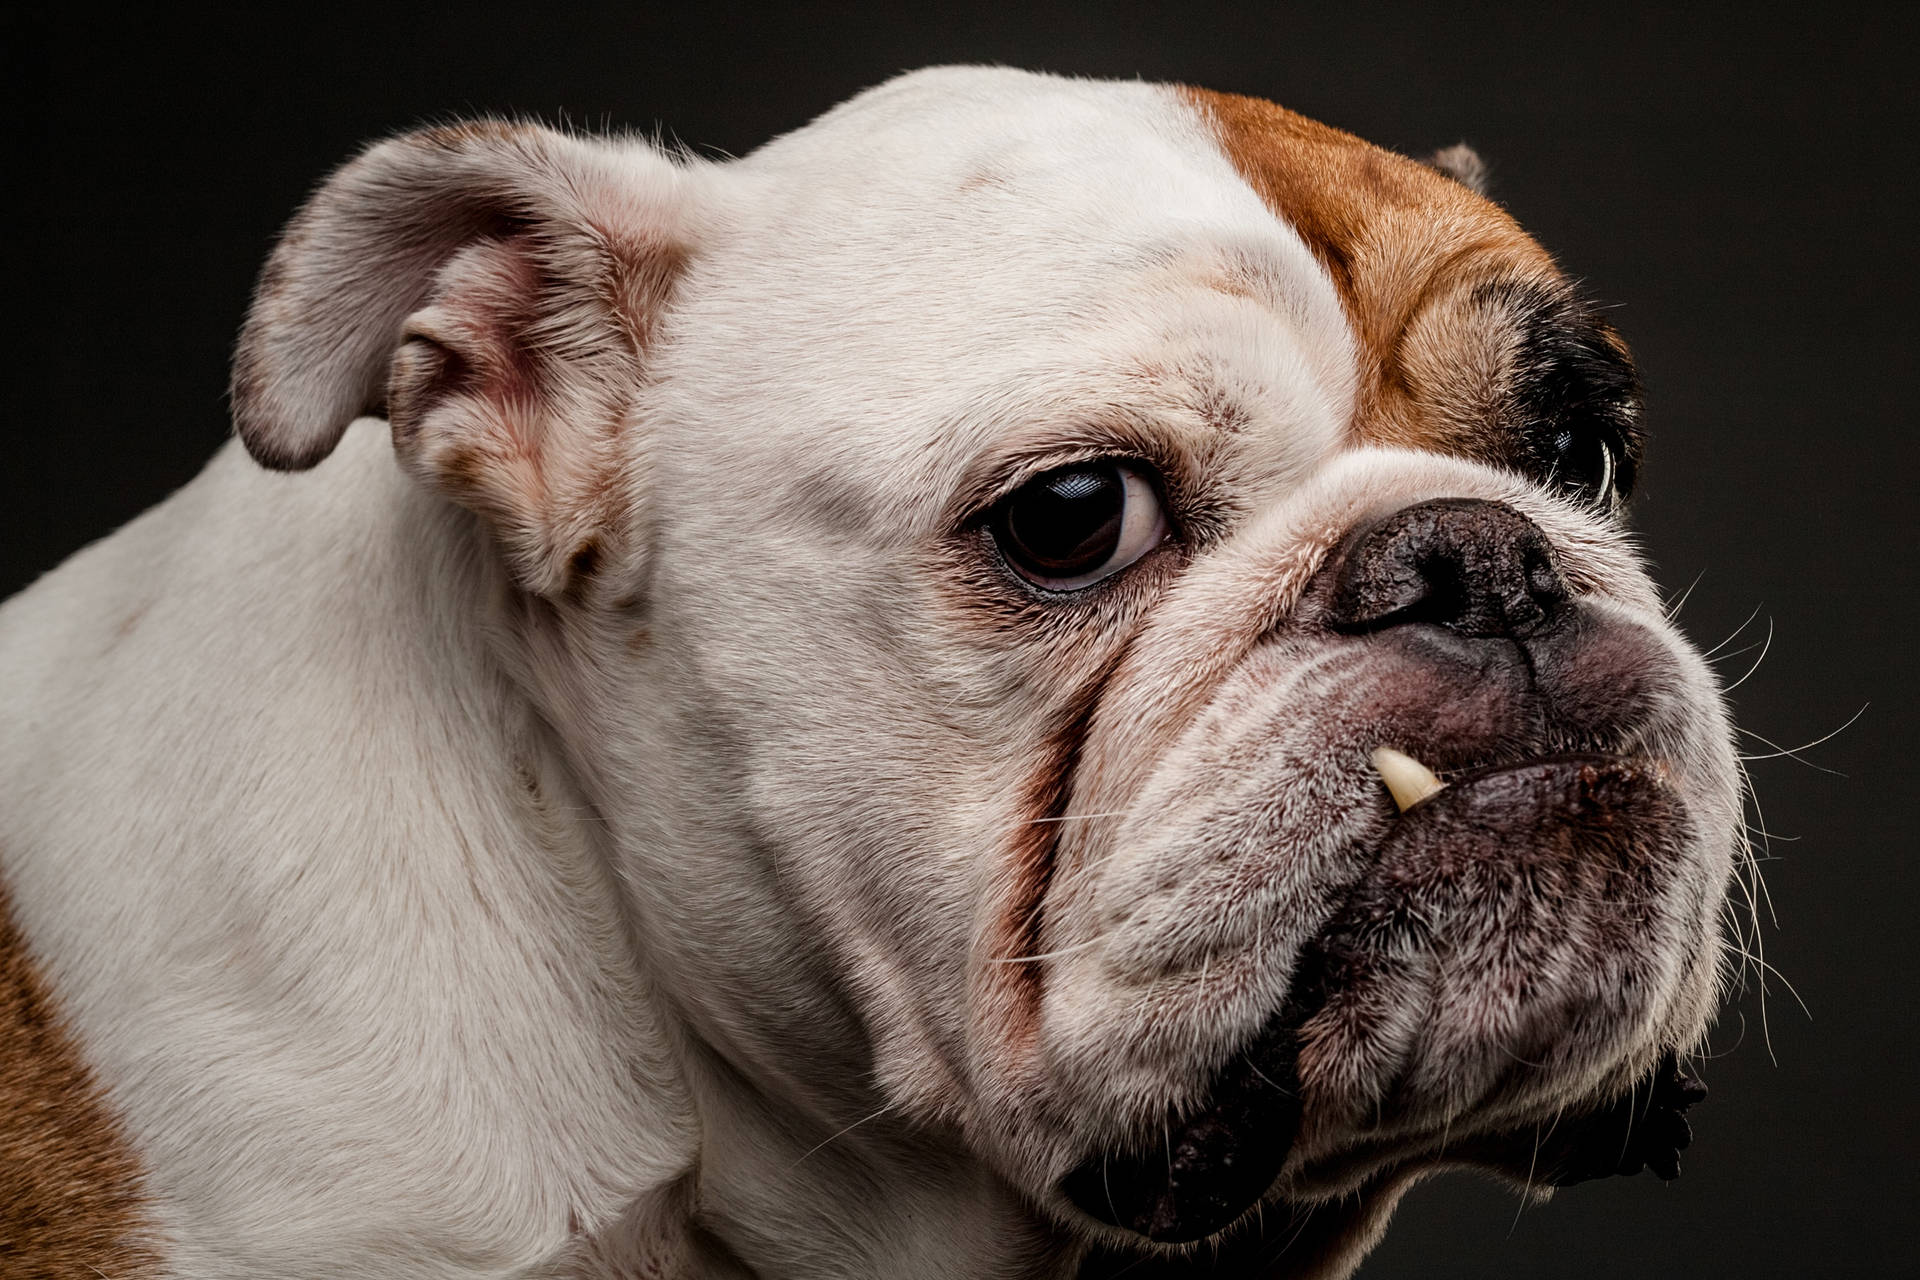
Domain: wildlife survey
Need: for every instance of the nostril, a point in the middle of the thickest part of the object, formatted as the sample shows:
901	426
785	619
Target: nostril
1473	567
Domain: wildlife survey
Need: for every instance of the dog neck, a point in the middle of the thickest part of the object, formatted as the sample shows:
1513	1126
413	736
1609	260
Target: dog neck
803	1166
799	1167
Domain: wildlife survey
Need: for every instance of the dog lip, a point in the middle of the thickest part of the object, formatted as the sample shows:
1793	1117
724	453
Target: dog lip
1524	849
1558	757
1599	759
1644	1128
1211	1165
1457	782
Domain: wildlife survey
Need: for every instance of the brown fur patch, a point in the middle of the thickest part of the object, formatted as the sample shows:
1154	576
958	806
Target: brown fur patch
1011	991
1406	247
70	1197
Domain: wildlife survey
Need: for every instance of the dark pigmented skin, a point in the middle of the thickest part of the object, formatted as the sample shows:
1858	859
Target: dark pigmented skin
1473	567
1645	1128
1209	1166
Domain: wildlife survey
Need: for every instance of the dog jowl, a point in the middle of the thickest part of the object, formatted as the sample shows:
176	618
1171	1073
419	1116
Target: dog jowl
1037	677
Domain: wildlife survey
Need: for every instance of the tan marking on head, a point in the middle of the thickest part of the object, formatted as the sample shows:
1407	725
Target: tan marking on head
1406	246
70	1196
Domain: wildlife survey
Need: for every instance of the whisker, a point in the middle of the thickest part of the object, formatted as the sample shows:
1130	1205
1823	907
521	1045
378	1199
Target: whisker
1077	817
1734	635
1766	843
1674	607
1754	888
836	1137
1767	968
1533	1162
1703	1055
1731	654
1537	1066
1766	646
1299	1230
1793	753
1048	955
1271	1082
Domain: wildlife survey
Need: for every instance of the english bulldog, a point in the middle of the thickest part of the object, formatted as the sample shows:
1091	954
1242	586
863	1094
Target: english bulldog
1039	677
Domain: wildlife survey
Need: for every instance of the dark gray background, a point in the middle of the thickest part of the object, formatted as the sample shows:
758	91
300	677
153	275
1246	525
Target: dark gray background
1740	184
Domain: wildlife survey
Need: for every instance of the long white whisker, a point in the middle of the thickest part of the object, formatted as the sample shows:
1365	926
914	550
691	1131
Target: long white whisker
1756	894
1077	817
836	1137
1731	654
1674	608
1702	1055
1783	982
1794	752
1735	634
1765	646
1048	955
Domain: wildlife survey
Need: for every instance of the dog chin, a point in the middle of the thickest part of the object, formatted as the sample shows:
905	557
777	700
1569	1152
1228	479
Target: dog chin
1509	904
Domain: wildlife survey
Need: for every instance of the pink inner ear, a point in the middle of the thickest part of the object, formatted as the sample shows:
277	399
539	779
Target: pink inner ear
480	317
507	394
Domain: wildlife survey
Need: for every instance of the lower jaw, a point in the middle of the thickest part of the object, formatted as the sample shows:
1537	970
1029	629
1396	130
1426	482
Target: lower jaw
1217	1168
1212	1167
1644	1128
1279	1234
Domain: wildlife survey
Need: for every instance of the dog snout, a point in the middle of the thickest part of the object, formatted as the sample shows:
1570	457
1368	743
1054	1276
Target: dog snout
1472	567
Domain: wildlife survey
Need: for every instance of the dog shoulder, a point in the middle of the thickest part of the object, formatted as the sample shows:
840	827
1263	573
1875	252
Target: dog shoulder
71	1194
309	939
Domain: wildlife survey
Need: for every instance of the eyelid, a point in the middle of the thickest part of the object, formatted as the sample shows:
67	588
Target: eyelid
993	476
1027	470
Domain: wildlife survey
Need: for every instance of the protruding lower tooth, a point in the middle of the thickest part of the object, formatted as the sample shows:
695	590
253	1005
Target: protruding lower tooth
1408	779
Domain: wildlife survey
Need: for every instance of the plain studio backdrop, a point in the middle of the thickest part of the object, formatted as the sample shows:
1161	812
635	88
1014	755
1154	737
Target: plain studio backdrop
1740	189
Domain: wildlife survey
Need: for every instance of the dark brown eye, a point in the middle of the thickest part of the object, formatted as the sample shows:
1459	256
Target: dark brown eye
1070	528
1585	466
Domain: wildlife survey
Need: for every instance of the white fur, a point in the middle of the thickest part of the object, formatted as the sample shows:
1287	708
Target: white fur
421	920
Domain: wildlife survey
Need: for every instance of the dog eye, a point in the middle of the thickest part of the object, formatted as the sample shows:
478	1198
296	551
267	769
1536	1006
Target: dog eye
1070	528
1586	467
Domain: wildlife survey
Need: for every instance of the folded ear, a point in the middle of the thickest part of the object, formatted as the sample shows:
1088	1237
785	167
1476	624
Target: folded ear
493	289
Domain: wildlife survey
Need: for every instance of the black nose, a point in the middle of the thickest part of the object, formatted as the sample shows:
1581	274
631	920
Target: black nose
1476	568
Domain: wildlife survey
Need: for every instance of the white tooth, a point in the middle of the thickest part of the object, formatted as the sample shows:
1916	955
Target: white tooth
1408	779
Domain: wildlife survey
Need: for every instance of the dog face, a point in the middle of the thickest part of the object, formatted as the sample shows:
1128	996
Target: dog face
975	549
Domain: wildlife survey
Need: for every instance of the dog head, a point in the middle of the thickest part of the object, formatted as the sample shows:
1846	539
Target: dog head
976	550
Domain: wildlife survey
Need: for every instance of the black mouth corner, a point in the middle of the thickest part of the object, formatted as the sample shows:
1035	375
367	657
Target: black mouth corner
1212	1165
1646	1128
